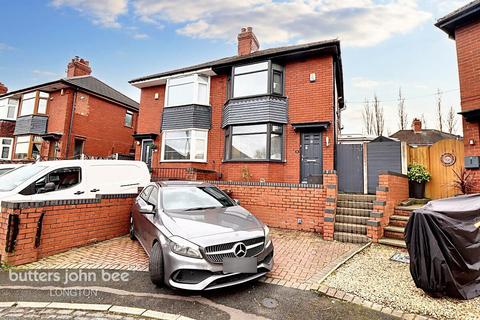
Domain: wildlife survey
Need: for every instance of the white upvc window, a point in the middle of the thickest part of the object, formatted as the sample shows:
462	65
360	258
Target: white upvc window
189	145
191	89
8	109
6	148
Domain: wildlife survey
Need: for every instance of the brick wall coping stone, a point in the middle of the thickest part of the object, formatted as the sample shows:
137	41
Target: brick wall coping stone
267	184
48	203
391	173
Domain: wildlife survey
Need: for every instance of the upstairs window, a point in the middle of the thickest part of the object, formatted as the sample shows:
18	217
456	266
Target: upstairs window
129	119
34	103
184	145
192	89
6	148
8	109
257	79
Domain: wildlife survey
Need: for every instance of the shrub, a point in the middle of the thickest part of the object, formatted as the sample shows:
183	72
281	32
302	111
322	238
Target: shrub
418	173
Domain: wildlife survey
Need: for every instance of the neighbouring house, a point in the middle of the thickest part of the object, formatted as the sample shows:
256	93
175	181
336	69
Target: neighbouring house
262	115
419	137
8	115
66	118
463	25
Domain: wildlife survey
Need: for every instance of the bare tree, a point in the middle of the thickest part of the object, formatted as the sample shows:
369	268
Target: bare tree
451	120
402	113
424	121
379	122
439	111
368	118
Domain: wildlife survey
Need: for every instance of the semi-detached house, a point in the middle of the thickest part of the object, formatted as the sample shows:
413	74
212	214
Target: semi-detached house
262	115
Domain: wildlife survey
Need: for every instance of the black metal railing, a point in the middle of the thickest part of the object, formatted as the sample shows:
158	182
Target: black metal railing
189	173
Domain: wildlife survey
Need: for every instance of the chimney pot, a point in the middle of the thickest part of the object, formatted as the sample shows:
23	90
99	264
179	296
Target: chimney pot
247	41
3	88
78	67
416	125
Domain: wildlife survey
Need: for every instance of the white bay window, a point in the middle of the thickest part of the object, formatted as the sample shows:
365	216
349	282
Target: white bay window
184	145
191	89
8	109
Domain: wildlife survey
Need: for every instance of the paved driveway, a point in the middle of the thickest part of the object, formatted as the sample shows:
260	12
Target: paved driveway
301	258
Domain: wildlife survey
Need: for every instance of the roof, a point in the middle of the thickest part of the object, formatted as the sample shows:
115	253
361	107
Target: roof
462	16
87	83
257	55
425	137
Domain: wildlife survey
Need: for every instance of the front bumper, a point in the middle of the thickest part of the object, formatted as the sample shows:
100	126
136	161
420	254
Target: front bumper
199	274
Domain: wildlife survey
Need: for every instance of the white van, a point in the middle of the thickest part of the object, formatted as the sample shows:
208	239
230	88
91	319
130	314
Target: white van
7	167
73	179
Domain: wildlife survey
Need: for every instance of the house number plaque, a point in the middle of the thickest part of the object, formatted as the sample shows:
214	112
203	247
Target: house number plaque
448	159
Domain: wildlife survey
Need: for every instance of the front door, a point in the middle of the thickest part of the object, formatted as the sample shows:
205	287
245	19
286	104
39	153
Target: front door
78	148
147	151
311	157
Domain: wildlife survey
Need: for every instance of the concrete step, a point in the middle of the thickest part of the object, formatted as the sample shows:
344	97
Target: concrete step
398	221
354	212
395	229
393	242
350	237
351	219
355	204
356	197
403	211
350	228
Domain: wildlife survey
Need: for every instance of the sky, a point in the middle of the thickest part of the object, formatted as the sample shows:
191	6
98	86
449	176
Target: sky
386	44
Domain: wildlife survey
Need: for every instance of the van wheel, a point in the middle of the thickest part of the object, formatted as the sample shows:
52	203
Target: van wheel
156	265
132	230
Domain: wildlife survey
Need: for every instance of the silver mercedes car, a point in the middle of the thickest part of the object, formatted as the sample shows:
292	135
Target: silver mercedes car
198	238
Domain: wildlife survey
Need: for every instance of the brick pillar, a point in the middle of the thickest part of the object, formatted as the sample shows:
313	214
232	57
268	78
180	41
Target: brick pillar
391	190
330	182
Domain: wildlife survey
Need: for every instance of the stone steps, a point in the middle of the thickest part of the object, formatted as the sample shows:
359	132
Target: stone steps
355	204
350	237
351	228
351	219
399	221
353	212
393	242
356	197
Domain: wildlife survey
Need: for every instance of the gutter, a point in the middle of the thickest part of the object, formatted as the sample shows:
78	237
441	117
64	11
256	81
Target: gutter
74	105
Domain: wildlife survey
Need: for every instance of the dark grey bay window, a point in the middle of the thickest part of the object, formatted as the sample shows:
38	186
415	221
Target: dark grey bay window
254	142
257	79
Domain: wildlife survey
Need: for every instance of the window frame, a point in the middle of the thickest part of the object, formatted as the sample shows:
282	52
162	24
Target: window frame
196	82
8	105
10	147
272	67
229	139
31	142
192	146
80	178
128	112
36	103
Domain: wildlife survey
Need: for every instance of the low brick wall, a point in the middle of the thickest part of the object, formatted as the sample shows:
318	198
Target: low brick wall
391	190
280	205
49	227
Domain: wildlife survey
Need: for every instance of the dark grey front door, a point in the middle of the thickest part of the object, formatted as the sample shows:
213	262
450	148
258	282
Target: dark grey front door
147	152
311	157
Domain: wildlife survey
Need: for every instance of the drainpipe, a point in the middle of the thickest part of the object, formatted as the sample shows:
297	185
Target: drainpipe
74	104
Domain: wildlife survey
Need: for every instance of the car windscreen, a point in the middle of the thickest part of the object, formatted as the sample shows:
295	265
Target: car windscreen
13	179
194	198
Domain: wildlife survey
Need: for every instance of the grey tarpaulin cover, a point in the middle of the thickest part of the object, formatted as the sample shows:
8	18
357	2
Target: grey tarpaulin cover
443	240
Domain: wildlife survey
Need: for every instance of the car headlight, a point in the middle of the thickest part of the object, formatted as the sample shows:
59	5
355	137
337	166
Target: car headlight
267	235
184	248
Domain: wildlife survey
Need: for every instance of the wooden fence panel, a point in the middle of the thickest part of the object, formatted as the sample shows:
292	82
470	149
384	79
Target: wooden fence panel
441	184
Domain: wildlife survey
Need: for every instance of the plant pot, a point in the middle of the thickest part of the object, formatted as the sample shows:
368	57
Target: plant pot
416	189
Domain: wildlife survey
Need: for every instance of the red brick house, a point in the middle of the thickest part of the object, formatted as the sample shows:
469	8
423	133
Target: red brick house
262	115
8	115
65	118
463	25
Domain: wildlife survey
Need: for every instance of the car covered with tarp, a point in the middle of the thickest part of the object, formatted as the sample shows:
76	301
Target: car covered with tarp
443	241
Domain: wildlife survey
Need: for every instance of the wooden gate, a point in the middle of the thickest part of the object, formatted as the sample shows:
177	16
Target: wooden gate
441	184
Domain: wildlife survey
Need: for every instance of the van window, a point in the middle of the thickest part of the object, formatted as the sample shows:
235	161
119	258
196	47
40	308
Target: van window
15	178
145	193
62	179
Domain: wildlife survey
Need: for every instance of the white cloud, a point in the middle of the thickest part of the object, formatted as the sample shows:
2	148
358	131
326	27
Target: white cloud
102	12
355	22
360	82
447	6
44	73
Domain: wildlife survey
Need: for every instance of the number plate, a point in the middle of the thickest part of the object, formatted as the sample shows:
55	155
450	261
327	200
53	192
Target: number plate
242	265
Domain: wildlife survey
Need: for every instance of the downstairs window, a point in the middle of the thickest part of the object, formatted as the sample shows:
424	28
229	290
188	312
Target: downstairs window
184	145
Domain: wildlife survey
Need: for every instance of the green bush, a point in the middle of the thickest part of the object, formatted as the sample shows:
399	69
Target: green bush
418	173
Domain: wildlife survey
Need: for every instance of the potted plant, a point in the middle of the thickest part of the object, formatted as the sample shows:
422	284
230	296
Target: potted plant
463	182
418	176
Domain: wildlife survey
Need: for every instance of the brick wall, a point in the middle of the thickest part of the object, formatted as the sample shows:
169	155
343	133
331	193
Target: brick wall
468	55
66	224
391	190
7	128
308	102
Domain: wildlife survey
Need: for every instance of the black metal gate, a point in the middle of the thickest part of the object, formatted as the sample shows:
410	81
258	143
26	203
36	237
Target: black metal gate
382	155
350	168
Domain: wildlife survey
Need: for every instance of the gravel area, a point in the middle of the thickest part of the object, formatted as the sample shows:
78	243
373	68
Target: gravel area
373	276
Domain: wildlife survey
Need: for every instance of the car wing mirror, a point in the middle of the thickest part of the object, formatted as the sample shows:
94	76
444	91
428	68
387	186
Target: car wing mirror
237	201
146	209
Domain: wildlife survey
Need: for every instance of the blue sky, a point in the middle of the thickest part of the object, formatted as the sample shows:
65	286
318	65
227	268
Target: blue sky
386	44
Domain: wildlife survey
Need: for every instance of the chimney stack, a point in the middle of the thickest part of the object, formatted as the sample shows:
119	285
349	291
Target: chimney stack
247	42
3	89
416	125
78	67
